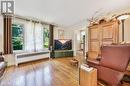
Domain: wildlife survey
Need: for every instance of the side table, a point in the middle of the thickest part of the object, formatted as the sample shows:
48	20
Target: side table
87	76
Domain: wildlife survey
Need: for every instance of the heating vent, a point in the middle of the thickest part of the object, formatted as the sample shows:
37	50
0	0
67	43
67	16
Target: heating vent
26	57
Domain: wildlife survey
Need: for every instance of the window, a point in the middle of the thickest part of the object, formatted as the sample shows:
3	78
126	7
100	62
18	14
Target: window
29	36
46	37
17	36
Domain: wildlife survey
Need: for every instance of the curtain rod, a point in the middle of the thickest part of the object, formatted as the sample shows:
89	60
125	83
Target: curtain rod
33	20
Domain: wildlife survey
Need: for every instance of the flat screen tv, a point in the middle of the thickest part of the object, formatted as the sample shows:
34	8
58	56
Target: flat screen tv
63	44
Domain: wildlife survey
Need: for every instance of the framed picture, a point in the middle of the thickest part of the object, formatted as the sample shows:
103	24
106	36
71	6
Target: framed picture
61	34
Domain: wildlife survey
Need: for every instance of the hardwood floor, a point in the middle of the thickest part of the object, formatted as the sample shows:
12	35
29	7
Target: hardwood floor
54	72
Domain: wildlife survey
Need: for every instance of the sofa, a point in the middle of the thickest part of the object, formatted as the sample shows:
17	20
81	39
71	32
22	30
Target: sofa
3	65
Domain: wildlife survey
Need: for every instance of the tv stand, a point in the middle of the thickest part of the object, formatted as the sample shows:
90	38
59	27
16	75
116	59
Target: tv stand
63	53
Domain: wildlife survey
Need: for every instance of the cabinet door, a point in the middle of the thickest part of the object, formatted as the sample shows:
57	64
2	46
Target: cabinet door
94	33
109	33
94	46
94	40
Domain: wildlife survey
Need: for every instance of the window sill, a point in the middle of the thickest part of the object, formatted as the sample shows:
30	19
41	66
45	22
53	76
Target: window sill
18	51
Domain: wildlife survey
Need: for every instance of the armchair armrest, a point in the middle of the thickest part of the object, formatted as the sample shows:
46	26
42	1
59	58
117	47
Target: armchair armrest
93	63
98	58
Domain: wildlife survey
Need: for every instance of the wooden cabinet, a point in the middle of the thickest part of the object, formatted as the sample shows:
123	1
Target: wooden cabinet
102	34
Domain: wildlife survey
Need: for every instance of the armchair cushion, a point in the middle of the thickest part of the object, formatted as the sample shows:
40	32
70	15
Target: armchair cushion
110	76
115	57
113	63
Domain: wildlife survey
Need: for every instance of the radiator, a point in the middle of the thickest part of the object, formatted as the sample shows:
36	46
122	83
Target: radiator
31	56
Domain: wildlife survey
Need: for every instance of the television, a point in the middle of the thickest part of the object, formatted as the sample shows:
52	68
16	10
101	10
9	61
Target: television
62	44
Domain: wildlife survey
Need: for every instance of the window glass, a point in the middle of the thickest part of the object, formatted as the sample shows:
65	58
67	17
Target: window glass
46	37
17	36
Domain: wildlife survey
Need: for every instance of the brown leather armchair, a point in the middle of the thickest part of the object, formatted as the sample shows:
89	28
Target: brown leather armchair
2	65
113	63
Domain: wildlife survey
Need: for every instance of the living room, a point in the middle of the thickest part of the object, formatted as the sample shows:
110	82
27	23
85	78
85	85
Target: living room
64	43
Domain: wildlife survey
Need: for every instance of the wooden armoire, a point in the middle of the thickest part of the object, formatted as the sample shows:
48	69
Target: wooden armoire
102	34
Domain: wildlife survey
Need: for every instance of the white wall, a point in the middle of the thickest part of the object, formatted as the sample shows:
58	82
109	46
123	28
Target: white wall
77	39
68	33
1	33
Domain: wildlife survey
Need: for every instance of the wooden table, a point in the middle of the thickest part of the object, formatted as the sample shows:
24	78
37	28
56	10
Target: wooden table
88	78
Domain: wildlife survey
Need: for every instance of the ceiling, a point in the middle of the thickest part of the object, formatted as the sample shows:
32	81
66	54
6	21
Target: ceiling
67	13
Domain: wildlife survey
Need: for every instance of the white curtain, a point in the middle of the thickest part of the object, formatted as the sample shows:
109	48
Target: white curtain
33	36
38	37
29	37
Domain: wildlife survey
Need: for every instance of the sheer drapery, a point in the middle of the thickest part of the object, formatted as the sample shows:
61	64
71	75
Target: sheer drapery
38	37
29	37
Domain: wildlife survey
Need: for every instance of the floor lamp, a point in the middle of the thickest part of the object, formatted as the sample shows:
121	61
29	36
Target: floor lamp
122	18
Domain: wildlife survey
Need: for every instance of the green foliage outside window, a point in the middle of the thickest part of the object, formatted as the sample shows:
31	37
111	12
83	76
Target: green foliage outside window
46	37
17	36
